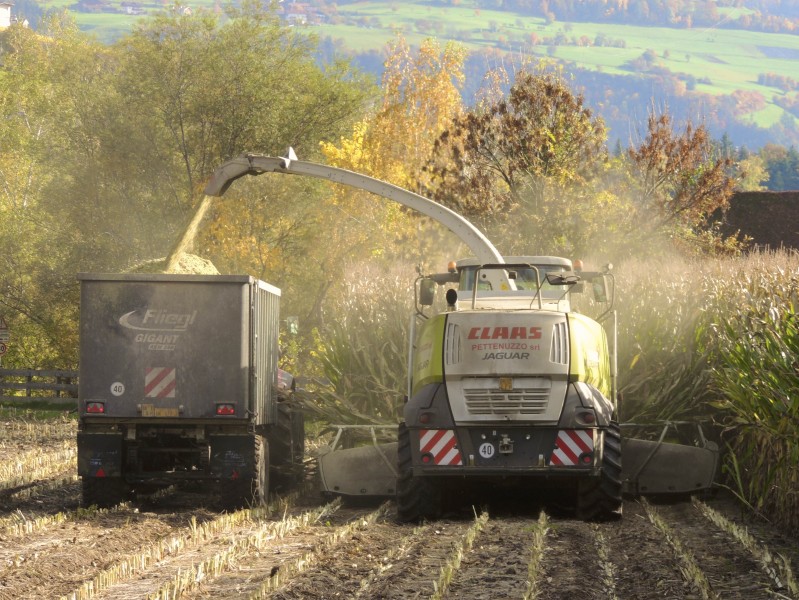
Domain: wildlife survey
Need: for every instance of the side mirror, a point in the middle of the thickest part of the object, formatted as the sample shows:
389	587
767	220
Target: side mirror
564	278
600	289
427	291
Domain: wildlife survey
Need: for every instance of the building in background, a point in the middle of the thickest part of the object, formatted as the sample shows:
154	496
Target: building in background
6	18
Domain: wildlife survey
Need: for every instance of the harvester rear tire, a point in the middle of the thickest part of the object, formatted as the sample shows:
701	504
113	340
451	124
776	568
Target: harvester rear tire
600	499
104	492
417	497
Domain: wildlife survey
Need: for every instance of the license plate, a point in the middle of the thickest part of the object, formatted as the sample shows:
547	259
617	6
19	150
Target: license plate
148	410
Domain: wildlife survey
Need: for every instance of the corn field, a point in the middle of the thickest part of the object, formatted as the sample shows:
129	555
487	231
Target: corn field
717	340
711	339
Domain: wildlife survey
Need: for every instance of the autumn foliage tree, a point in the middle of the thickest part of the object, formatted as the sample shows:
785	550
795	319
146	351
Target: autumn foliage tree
105	151
527	157
420	97
680	184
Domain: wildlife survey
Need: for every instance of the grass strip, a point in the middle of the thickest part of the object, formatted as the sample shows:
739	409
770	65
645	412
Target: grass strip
35	431
223	561
18	525
45	487
605	564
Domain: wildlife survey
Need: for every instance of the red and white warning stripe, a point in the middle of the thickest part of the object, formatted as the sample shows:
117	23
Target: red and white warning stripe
159	382
441	445
570	444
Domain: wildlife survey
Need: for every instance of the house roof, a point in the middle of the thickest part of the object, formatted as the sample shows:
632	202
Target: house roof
770	218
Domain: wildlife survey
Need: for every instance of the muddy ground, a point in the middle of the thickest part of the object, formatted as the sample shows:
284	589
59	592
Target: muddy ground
175	545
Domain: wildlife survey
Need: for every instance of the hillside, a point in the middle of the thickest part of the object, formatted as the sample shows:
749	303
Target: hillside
733	67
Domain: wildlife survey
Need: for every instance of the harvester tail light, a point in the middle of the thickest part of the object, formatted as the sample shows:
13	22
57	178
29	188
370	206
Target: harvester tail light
225	409
95	408
586	417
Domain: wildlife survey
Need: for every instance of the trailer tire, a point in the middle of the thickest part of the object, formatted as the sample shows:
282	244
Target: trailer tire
600	499
104	492
417	497
261	483
288	447
249	491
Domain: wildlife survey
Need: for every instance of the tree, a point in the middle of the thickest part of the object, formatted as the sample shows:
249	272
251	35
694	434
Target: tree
680	183
782	165
420	98
751	174
38	292
214	89
525	159
105	176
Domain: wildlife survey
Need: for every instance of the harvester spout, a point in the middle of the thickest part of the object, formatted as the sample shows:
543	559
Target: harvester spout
254	164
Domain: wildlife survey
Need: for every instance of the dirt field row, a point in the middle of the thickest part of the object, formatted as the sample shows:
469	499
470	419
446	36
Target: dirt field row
298	548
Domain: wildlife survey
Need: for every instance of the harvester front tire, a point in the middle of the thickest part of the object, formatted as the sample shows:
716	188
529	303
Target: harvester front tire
417	497
600	499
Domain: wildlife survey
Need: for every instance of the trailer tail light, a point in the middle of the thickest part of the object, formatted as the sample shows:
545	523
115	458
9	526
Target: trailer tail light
225	409
95	408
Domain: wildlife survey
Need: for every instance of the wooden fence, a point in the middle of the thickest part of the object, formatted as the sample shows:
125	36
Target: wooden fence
34	384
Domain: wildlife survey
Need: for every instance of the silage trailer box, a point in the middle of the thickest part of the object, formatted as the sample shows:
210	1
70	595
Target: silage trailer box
178	381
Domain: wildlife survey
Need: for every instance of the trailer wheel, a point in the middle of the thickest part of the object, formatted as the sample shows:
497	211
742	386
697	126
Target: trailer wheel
600	499
104	492
248	491
261	483
288	447
417	497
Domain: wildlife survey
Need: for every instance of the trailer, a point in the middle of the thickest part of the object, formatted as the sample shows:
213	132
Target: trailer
179	383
